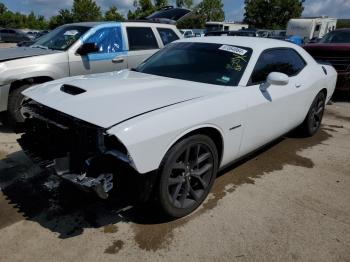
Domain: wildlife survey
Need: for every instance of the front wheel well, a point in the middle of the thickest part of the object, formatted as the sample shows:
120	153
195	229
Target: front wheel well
30	81
213	134
324	91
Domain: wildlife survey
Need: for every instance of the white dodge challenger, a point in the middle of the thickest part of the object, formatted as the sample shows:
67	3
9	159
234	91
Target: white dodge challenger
183	114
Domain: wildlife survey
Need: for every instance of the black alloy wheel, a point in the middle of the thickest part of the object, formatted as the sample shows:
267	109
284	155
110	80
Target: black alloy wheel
313	120
188	174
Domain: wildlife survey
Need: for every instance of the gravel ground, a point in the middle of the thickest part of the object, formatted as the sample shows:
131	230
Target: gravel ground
289	202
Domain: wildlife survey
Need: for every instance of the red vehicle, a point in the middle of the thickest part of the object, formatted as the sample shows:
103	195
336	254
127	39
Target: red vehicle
334	48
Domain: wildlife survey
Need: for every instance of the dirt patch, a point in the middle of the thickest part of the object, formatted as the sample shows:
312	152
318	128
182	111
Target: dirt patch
2	154
8	214
338	116
115	247
330	129
110	229
284	152
335	126
157	236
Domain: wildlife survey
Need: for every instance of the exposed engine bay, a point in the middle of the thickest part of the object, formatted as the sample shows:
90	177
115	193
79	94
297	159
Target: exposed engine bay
77	151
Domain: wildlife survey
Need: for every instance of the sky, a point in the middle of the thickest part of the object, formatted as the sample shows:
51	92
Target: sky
234	9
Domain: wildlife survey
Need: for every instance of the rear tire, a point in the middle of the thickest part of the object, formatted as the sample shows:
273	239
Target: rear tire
187	174
313	120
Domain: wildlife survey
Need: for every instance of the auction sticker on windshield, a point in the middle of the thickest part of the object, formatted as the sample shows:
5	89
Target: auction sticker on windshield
233	49
71	33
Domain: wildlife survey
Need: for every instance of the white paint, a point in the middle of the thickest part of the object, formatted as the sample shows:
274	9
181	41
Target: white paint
154	116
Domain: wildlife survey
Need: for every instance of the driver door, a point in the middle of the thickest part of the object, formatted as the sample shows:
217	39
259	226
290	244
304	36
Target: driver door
275	110
110	57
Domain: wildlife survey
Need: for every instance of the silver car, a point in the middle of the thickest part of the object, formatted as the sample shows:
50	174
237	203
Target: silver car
13	36
77	49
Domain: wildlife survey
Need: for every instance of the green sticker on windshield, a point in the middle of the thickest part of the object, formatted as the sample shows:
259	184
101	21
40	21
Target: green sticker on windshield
224	79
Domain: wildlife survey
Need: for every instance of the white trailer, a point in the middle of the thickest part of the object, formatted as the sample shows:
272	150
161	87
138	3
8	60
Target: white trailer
309	28
224	26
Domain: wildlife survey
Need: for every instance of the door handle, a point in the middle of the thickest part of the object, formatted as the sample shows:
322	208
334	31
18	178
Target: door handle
118	60
298	85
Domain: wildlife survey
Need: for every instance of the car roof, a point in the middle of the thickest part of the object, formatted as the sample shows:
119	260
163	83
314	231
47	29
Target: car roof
93	24
244	41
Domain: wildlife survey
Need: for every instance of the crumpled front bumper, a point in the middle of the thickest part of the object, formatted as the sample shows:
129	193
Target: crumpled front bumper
101	185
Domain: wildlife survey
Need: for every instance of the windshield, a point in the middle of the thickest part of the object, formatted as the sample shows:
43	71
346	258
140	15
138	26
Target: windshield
61	38
339	37
199	62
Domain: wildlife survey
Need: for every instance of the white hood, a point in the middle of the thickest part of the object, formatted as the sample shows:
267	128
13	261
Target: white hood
111	98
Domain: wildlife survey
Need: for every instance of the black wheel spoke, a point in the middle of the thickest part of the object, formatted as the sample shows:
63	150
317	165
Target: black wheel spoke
187	155
194	194
184	194
319	111
203	158
202	170
203	183
175	180
179	165
198	149
176	192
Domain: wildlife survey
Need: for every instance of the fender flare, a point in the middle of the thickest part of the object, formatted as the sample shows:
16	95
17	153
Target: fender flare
194	129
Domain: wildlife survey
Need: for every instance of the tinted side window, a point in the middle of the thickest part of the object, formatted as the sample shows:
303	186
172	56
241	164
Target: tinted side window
109	40
11	31
141	38
284	60
167	35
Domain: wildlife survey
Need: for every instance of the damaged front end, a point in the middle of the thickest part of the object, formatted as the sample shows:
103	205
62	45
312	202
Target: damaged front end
77	151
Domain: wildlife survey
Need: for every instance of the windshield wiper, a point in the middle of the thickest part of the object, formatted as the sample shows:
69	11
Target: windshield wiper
40	46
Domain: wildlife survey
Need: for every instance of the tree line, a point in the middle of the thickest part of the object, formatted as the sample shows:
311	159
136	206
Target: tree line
273	14
88	10
81	11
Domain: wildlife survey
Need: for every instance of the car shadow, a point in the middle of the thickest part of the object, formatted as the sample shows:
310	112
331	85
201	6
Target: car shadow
64	209
4	127
61	207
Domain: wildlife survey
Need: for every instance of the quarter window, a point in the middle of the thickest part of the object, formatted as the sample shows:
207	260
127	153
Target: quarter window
167	35
141	38
284	60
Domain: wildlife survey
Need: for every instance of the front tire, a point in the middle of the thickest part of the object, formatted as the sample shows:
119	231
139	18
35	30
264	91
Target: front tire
313	120
15	102
187	174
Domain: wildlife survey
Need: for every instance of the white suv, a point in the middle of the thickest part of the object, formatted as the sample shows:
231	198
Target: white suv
77	49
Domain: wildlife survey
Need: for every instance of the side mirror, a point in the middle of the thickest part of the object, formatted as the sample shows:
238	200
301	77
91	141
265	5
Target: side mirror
274	78
88	48
278	79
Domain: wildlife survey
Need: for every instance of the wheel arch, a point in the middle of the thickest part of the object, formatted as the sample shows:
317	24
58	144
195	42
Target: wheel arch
17	83
324	91
31	80
213	132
